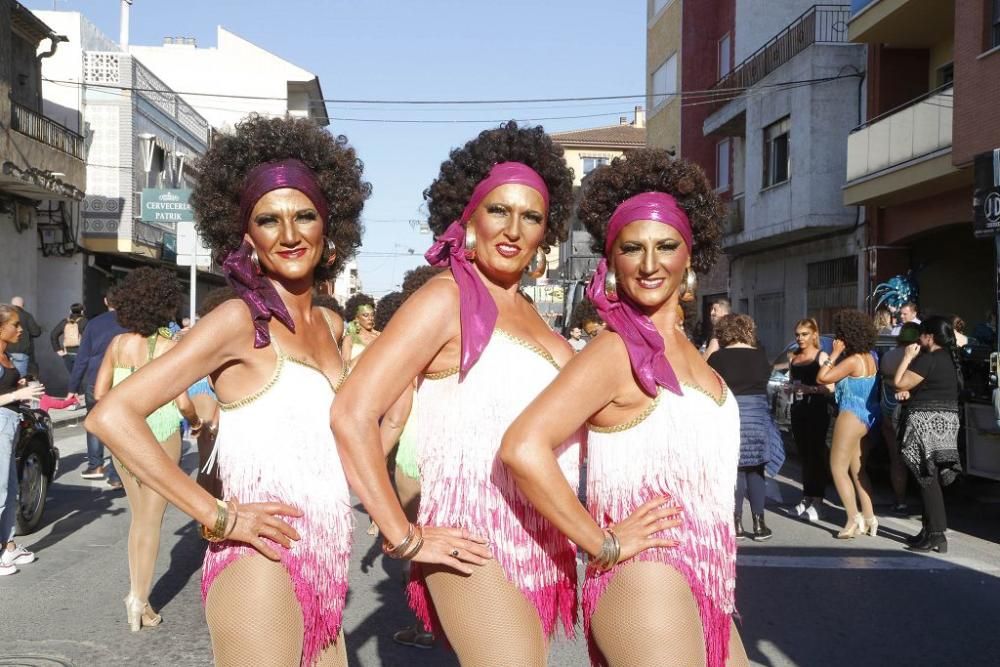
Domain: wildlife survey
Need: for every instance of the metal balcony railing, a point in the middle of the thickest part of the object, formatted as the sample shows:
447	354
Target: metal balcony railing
38	127
820	24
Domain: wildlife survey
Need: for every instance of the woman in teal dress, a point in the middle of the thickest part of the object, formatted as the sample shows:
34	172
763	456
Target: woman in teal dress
147	301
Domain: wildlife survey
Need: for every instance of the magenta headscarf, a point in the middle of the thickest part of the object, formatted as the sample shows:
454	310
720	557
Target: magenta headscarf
256	290
643	342
477	310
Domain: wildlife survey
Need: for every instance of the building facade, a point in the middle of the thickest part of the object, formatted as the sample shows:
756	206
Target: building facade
794	248
42	180
573	262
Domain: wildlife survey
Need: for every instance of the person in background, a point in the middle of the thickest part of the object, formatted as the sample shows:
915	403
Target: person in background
66	336
958	326
100	331
361	331
931	373
12	390
720	308
746	370
883	321
854	368
908	312
892	413
22	352
587	318
329	302
576	340
810	417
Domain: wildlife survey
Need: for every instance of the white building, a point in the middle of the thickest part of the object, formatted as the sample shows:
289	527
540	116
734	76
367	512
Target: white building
233	79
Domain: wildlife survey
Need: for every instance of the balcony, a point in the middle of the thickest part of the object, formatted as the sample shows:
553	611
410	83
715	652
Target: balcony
45	130
903	150
820	24
907	24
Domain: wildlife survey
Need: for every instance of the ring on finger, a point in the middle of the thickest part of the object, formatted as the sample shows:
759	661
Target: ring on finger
454	553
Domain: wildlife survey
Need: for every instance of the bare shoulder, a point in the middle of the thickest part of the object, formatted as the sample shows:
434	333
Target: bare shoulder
606	355
229	326
437	301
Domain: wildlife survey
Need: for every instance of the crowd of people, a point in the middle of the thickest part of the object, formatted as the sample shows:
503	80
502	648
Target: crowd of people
483	411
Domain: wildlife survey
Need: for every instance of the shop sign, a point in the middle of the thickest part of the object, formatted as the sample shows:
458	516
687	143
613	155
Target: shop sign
166	205
986	198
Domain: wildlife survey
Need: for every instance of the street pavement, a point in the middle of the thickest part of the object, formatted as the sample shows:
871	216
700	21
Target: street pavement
806	599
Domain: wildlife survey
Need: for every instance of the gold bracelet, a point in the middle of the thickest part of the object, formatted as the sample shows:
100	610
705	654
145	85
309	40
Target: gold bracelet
218	532
234	511
397	550
415	546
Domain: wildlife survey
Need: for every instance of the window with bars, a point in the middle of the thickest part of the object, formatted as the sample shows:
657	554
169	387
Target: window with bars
777	157
831	286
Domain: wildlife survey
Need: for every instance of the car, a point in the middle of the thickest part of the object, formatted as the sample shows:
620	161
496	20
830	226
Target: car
37	460
781	403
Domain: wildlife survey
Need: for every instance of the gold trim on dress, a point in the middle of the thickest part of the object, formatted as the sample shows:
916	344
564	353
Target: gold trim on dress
537	349
247	400
718	401
440	375
631	423
308	364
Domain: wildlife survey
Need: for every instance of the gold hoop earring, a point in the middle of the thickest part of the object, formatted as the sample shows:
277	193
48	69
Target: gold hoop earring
690	284
541	265
470	243
611	285
255	260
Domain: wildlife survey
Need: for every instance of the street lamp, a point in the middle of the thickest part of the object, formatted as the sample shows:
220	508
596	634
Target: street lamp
179	158
146	147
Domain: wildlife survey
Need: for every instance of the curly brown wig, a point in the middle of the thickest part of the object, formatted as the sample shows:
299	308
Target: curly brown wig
653	170
214	299
354	302
857	331
329	302
216	196
465	167
735	328
416	278
386	308
147	299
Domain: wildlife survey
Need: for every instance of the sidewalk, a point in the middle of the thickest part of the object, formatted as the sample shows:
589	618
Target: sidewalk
65	418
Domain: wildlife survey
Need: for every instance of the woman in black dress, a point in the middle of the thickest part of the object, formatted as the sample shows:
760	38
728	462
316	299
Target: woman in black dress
810	417
745	369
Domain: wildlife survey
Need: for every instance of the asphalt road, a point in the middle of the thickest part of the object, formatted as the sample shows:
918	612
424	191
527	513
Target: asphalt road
805	598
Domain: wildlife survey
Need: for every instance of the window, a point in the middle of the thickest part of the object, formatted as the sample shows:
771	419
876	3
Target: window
592	163
722	150
658	6
945	74
995	25
665	82
725	55
776	154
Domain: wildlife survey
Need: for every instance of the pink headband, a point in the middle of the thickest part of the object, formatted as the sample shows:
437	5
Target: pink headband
477	310
644	343
249	284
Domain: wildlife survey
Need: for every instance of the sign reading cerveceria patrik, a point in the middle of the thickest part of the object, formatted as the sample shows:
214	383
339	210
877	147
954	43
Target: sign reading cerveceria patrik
166	205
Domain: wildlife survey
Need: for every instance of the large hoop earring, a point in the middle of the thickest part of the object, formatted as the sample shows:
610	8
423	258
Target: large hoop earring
255	261
690	285
331	252
611	285
470	243
541	265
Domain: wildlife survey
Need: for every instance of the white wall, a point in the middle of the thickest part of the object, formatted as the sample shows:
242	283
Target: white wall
757	21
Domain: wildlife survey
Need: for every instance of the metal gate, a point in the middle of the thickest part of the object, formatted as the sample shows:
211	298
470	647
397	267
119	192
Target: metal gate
769	314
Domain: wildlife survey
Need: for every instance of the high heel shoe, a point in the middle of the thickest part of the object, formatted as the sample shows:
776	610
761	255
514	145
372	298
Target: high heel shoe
140	614
871	527
913	540
931	542
856	526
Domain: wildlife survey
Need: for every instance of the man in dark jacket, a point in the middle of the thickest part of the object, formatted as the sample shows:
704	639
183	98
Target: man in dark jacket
98	335
22	353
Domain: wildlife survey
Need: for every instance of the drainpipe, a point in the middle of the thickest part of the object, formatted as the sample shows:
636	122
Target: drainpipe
54	41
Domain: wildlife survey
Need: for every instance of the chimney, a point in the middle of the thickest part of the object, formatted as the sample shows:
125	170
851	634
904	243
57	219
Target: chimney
639	117
123	22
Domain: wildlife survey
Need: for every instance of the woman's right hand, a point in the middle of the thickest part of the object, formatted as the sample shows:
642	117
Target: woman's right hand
453	547
257	524
638	532
29	392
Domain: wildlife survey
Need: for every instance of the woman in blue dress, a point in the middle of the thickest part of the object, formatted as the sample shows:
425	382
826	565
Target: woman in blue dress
853	366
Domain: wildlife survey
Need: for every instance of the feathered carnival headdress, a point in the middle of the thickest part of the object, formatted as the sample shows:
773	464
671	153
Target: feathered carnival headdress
895	292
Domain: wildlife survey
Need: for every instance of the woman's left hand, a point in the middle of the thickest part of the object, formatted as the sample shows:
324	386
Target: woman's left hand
912	350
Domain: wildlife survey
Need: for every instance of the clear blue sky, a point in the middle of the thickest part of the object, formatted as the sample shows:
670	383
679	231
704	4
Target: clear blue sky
420	49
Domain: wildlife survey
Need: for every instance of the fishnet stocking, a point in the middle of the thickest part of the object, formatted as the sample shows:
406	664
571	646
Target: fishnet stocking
487	619
648	617
408	490
147	508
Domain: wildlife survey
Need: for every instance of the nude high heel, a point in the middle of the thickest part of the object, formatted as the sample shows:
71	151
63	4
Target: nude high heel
856	526
140	614
871	527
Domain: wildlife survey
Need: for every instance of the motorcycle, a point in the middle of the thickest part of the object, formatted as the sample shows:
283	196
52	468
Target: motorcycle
37	460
